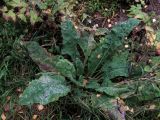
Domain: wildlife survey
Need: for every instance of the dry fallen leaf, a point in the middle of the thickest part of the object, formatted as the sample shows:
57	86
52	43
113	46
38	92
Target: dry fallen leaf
3	116
6	107
8	98
85	82
40	107
34	117
158	46
152	107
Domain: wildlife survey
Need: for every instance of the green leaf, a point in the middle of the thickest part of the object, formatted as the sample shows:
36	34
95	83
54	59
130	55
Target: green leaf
103	102
101	31
34	17
65	67
22	17
17	3
79	67
70	39
96	58
40	56
51	63
112	91
48	88
42	5
148	91
112	43
11	14
75	45
120	31
93	84
117	66
147	68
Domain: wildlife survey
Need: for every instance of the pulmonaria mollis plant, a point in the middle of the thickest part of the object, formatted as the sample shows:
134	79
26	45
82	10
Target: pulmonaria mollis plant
89	66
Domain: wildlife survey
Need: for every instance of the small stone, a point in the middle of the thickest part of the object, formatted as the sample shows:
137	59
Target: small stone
154	20
89	21
19	90
109	25
98	56
76	27
126	46
145	6
98	95
40	107
106	9
109	20
95	26
123	11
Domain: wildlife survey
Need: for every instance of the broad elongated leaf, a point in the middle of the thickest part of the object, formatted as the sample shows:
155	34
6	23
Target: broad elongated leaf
79	67
51	63
148	91
70	39
116	66
40	56
65	67
110	44
93	84
120	31
46	89
96	58
76	45
112	91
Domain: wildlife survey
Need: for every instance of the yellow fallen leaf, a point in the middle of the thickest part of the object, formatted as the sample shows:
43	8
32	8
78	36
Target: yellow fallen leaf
151	37
158	46
148	28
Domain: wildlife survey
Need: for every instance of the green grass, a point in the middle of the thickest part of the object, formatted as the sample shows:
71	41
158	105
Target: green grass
106	8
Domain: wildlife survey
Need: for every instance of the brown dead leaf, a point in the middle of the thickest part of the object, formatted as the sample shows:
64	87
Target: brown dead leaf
85	82
148	28
6	107
8	98
3	116
34	117
152	107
